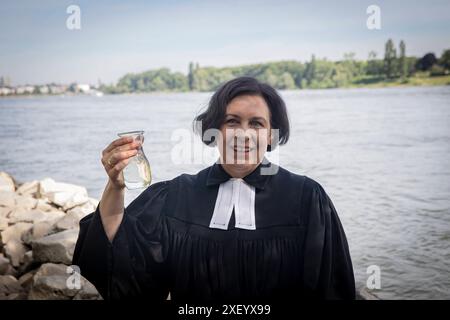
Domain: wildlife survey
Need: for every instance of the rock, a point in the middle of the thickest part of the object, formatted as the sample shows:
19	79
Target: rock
89	292
6	182
27	263
4	264
4	212
13	200
84	209
50	269
38	230
8	199
72	219
64	195
26	280
76	200
25	202
44	205
15	231
11	271
94	203
56	248
3	223
6	268
52	282
15	251
14	296
43	215
10	288
34	216
68	222
29	188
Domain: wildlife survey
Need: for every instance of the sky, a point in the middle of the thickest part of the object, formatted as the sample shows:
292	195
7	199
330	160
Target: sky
118	37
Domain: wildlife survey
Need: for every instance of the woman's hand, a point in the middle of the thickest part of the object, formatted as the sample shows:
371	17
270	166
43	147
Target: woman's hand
116	156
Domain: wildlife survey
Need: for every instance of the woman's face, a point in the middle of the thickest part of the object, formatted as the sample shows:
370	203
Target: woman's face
246	132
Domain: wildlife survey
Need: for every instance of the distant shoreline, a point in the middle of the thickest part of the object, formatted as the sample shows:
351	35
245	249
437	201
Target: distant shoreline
411	82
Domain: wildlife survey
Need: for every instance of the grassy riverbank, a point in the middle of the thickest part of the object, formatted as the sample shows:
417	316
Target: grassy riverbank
374	82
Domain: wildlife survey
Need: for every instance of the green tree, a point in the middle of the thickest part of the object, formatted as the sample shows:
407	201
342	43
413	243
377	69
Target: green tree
444	60
402	61
268	77
437	70
316	73
323	73
191	76
349	63
390	56
286	81
340	76
374	66
426	62
310	71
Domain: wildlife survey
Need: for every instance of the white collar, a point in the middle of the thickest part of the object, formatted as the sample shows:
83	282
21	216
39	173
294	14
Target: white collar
238	194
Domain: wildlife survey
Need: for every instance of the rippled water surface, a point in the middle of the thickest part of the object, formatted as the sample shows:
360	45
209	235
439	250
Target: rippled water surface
383	156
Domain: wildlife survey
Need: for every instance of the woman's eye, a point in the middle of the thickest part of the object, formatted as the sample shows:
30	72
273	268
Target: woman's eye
257	124
231	121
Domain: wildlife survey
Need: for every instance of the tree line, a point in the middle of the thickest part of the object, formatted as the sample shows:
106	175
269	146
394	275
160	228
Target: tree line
313	74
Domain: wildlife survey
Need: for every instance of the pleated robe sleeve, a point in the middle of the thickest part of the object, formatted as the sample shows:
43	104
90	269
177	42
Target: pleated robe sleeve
132	265
328	270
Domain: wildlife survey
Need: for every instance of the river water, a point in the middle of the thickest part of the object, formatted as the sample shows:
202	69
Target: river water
383	156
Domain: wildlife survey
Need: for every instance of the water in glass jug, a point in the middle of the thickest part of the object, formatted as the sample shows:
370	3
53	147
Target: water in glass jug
137	174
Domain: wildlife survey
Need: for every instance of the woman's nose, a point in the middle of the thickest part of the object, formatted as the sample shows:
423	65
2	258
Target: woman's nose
243	138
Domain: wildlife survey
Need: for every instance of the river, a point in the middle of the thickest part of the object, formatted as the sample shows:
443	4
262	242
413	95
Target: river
383	156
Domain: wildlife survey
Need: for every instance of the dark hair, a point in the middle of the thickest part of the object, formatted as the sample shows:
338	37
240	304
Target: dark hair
214	115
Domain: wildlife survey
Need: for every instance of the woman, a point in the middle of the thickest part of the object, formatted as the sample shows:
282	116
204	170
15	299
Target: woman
238	230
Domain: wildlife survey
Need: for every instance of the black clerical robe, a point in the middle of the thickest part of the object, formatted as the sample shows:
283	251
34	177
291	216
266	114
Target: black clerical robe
164	243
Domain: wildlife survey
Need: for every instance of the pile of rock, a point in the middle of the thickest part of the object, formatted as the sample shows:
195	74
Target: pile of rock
39	223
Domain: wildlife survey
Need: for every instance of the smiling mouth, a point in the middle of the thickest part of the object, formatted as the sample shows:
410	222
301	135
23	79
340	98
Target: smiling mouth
243	150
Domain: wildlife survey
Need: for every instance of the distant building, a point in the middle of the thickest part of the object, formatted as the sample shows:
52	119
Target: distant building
51	88
5	82
5	91
25	90
43	90
84	88
57	89
20	90
79	88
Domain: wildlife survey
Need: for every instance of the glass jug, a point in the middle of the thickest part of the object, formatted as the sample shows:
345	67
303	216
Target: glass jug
137	174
